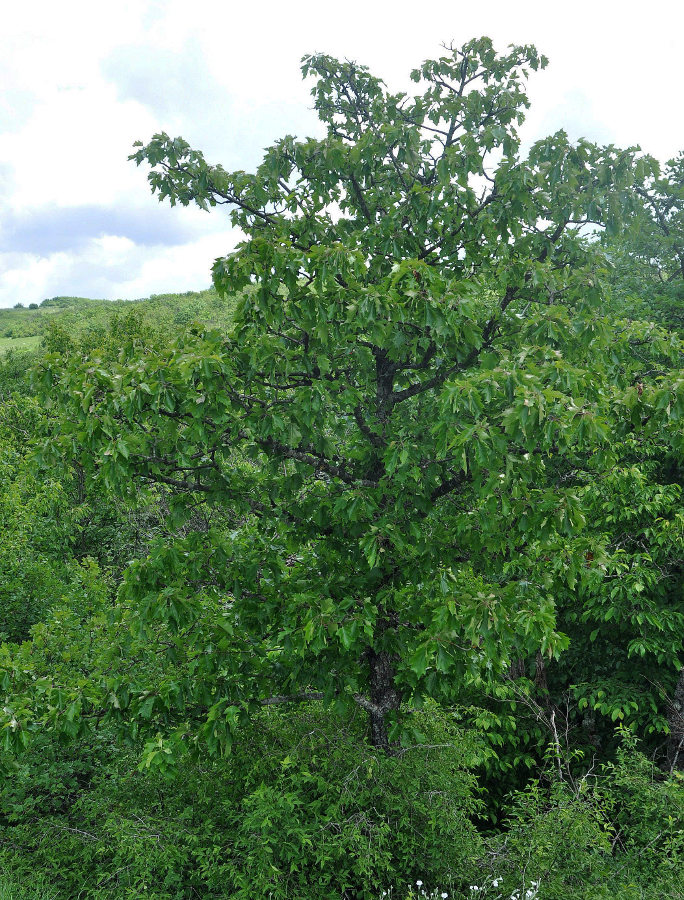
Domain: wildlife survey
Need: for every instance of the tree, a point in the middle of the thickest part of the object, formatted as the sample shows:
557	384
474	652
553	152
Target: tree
638	504
648	256
418	386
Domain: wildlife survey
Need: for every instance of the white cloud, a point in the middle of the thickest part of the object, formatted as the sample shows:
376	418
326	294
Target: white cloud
180	268
73	149
111	267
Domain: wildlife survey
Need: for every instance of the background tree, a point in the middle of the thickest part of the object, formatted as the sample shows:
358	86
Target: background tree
648	257
647	281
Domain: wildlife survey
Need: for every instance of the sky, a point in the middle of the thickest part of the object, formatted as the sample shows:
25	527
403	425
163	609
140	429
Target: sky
81	81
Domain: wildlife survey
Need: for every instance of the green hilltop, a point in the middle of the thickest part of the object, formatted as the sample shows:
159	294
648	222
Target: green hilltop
23	328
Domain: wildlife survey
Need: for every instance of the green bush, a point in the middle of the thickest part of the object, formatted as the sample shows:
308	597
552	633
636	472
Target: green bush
647	815
303	808
615	833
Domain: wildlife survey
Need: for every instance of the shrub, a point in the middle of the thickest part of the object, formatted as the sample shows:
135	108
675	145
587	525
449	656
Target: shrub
617	833
302	808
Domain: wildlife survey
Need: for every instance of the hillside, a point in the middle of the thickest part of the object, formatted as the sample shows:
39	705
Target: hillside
22	328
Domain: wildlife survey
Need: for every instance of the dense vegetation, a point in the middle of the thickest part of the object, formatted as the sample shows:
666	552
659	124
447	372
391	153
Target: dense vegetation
359	575
24	327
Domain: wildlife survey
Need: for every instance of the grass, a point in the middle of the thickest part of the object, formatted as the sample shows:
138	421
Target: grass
19	343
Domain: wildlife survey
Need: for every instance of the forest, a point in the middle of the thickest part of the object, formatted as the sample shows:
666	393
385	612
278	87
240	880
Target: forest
359	575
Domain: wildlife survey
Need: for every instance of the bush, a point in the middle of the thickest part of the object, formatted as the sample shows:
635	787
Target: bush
303	808
616	834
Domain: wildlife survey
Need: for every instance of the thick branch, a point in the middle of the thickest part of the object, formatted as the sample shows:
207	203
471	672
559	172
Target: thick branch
446	487
316	461
302	697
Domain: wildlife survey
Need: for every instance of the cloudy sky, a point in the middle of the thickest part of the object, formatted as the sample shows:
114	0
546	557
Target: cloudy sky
81	81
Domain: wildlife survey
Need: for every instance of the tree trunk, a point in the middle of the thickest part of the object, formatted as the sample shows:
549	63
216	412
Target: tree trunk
675	719
517	668
540	675
384	696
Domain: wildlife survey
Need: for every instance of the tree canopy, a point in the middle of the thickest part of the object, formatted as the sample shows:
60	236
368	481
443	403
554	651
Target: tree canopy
420	386
648	257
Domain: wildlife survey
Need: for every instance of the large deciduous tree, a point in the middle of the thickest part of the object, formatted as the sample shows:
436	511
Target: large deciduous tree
419	383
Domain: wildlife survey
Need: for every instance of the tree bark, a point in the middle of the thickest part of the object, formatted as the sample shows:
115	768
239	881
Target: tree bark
675	719
517	668
540	674
384	697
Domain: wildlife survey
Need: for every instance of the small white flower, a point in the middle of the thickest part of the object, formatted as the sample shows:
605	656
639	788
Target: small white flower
444	895
419	883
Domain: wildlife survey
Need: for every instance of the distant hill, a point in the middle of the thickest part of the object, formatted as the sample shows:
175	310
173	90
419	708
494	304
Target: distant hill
22	328
64	302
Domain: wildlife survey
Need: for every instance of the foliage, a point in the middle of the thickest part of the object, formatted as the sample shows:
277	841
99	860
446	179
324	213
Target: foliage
23	327
615	833
10	890
648	259
15	367
624	618
302	809
35	521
